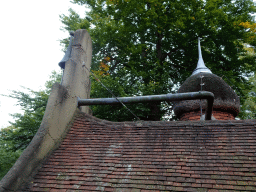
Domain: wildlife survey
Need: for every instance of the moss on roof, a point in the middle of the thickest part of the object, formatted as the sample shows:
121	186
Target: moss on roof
225	99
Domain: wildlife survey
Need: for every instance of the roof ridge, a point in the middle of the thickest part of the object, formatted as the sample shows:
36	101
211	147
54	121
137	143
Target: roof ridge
166	123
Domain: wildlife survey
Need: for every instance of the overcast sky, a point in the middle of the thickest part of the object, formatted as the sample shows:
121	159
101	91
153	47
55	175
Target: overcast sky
29	48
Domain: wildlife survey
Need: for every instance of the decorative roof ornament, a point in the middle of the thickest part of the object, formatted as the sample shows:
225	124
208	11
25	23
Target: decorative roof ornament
201	68
68	52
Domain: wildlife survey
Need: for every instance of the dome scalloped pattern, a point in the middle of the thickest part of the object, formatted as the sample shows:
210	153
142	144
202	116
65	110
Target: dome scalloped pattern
225	99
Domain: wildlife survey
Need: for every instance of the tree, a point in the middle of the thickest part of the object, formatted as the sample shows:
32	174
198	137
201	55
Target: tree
150	46
33	104
248	110
15	138
7	157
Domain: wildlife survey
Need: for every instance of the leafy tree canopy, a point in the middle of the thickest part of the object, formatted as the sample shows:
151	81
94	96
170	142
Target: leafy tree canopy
33	104
150	46
7	157
15	138
249	106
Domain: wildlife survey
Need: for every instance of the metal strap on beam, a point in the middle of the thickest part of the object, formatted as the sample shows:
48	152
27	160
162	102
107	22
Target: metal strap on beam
209	96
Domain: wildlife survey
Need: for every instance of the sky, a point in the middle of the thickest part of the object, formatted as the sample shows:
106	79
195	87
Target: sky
29	48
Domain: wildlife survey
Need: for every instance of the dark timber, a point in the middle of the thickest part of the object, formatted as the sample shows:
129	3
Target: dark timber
143	99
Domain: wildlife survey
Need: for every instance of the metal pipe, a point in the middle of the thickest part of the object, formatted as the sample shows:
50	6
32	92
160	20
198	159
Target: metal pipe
143	99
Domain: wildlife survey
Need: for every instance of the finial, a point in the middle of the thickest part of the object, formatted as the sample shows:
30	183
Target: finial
68	52
72	33
200	64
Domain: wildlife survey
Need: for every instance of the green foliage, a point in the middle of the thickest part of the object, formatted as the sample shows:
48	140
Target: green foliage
33	104
248	110
152	44
7	157
72	23
15	138
120	87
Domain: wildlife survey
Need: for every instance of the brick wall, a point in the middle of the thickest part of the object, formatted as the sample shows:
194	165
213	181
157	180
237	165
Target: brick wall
195	116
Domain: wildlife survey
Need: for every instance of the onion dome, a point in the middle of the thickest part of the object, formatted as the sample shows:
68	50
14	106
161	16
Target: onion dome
226	102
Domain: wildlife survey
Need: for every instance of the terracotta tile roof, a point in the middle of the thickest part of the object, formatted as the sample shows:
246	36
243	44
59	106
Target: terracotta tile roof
98	155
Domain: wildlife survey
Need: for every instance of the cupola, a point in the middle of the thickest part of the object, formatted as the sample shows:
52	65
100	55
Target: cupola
226	102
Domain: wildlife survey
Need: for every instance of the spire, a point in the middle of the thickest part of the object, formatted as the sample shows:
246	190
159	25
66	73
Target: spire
200	64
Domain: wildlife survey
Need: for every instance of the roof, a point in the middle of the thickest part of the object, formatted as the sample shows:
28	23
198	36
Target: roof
98	155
